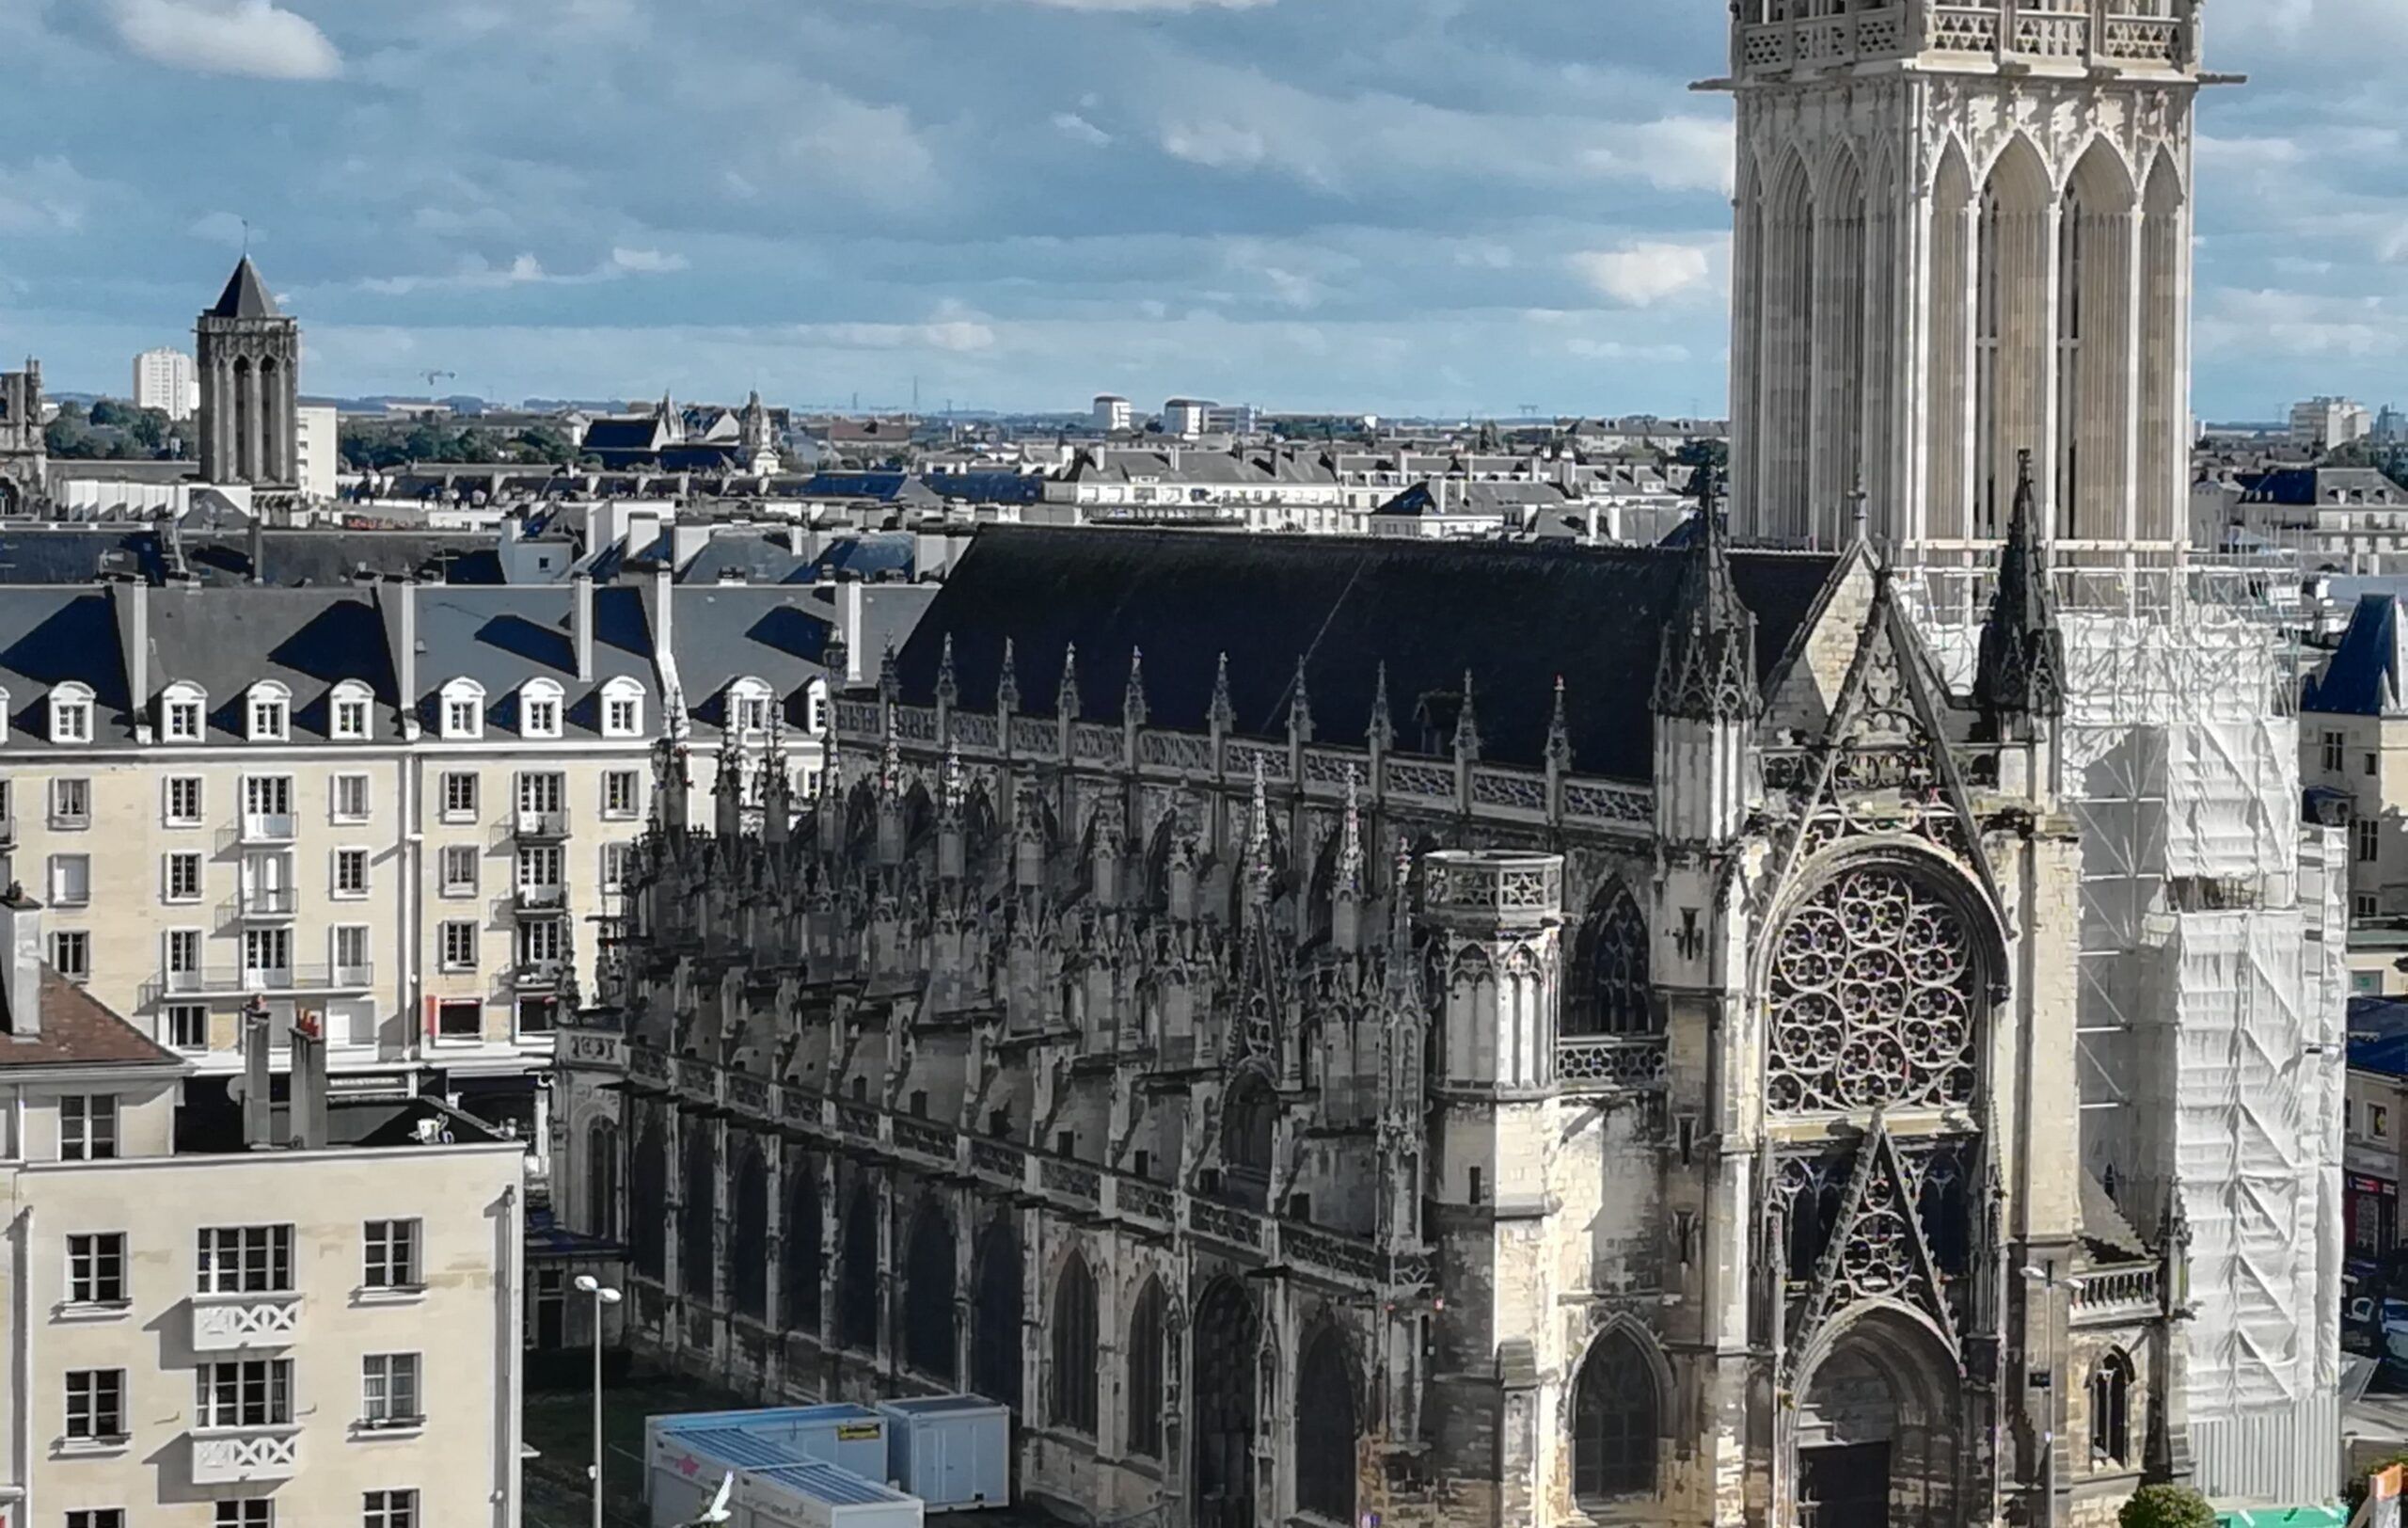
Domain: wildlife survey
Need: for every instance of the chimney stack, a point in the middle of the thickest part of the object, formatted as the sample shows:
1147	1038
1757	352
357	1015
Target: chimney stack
307	1126
580	621
23	917
664	592
136	592
406	660
259	548
849	596
258	1117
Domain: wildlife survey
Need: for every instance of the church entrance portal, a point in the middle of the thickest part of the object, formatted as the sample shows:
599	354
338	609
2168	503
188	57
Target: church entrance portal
1877	1429
1844	1486
1226	1341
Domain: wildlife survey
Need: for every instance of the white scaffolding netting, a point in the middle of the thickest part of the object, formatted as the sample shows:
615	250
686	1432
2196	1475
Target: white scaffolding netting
2210	1011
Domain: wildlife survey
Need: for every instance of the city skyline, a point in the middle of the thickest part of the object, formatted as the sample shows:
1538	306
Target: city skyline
1304	205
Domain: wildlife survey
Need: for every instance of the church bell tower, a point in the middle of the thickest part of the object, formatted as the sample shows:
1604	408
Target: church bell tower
250	362
1963	232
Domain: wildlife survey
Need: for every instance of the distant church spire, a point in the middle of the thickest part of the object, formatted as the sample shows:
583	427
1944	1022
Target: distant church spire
1707	672
2021	667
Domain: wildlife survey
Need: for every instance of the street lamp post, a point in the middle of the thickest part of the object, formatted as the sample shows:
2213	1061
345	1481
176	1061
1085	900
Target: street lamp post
604	1297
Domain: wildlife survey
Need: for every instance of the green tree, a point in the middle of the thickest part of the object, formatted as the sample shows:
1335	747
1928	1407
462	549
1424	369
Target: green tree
69	433
108	412
2166	1506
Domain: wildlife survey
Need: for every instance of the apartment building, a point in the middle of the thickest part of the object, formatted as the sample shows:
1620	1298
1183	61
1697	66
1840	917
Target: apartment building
297	1314
2354	742
399	806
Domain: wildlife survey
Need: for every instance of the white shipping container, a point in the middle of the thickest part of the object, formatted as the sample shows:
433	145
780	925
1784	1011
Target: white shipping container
817	1495
953	1451
839	1433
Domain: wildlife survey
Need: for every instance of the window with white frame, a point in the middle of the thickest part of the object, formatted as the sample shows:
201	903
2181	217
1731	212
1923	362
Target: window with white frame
187	1026
350	792
268	709
462	716
244	1260
614	869
244	1393
70	953
460	796
351	872
96	1516
183	955
458	866
459	1018
390	1254
347	712
183	800
249	1512
70	804
95	1405
388	1509
748	707
622	793
457	941
542	940
815	709
2369	833
350	945
539	869
182	877
96	1268
70	712
87	1127
388	1391
71	879
267	955
181	708
2333	743
623	708
539	708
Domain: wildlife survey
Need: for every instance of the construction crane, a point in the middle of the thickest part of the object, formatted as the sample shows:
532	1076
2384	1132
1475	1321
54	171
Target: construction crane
433	377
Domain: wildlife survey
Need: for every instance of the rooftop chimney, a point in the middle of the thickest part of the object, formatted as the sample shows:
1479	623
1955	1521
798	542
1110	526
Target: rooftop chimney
664	590
259	548
23	919
580	621
256	1115
406	659
307	1126
850	597
136	592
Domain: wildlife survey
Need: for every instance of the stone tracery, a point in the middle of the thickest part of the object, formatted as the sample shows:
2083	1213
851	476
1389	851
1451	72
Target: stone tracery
1873	999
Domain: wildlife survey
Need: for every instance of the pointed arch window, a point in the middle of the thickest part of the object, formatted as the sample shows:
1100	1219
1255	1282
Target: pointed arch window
2111	1410
748	1238
1614	1421
1609	992
995	1316
1147	1360
805	1254
697	1257
602	1181
1070	1399
857	1291
647	1203
928	1296
1326	1431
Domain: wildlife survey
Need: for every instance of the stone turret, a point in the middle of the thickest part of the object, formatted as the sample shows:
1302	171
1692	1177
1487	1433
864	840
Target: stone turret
1705	700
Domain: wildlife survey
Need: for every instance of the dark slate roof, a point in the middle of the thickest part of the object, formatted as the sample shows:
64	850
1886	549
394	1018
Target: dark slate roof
308	639
2379	1036
879	486
2366	669
313	557
988	487
245	296
504	636
1515	615
640	433
49	637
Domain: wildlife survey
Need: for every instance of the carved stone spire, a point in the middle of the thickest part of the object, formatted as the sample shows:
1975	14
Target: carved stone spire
1300	707
952	795
1225	714
1467	726
1132	700
1381	731
1259	868
1559	733
889	685
1008	682
1707	672
948	691
1066	701
1350	839
2021	667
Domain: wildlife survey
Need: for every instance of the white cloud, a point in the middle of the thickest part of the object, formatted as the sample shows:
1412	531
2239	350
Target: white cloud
874	151
1644	275
227	228
474	273
1076	126
646	262
1671	153
960	336
44	196
1217	145
1153	5
254	38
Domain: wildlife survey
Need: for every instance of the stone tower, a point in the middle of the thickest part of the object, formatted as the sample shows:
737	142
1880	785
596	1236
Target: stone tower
250	365
1963	232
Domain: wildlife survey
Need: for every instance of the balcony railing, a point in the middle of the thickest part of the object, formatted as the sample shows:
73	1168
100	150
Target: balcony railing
265	902
232	1456
540	825
2127	1288
538	976
269	827
2069	32
1608	1063
542	898
239	981
223	1323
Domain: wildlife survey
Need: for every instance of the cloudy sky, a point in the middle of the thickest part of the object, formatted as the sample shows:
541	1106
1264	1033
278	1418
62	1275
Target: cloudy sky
1434	206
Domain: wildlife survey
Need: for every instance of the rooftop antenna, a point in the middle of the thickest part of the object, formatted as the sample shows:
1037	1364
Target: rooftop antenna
246	238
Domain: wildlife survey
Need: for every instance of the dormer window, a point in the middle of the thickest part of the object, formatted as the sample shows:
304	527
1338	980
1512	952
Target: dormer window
181	710
347	712
70	713
748	707
623	708
463	713
269	711
539	710
815	709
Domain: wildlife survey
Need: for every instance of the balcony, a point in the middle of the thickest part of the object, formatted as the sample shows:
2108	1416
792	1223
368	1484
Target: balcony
234	1455
2067	34
269	827
263	905
228	1323
541	827
540	899
538	976
238	981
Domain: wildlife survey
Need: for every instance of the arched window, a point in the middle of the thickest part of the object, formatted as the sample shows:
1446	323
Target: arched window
539	708
799	1308
602	1181
748	1238
1325	1430
748	708
268	712
70	712
461	712
815	709
348	711
2111	1410
1608	992
1613	1422
1247	1127
1070	1400
697	1258
857	1288
183	708
1148	1359
647	1203
623	708
995	1316
928	1296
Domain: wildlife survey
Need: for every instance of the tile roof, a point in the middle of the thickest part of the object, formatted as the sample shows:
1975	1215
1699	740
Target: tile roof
78	1029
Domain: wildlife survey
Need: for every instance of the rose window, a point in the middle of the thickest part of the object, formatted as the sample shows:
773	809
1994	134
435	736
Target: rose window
1872	1001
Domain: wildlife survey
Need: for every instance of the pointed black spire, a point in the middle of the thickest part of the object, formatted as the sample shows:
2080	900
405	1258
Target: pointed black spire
1382	729
1559	733
1225	714
1133	710
1708	669
246	296
2021	667
1467	725
948	691
1008	682
1300	706
1066	700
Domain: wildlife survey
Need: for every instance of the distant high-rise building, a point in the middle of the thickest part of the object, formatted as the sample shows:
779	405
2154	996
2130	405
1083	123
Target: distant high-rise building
2329	422
1112	414
1187	417
164	379
251	363
315	454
